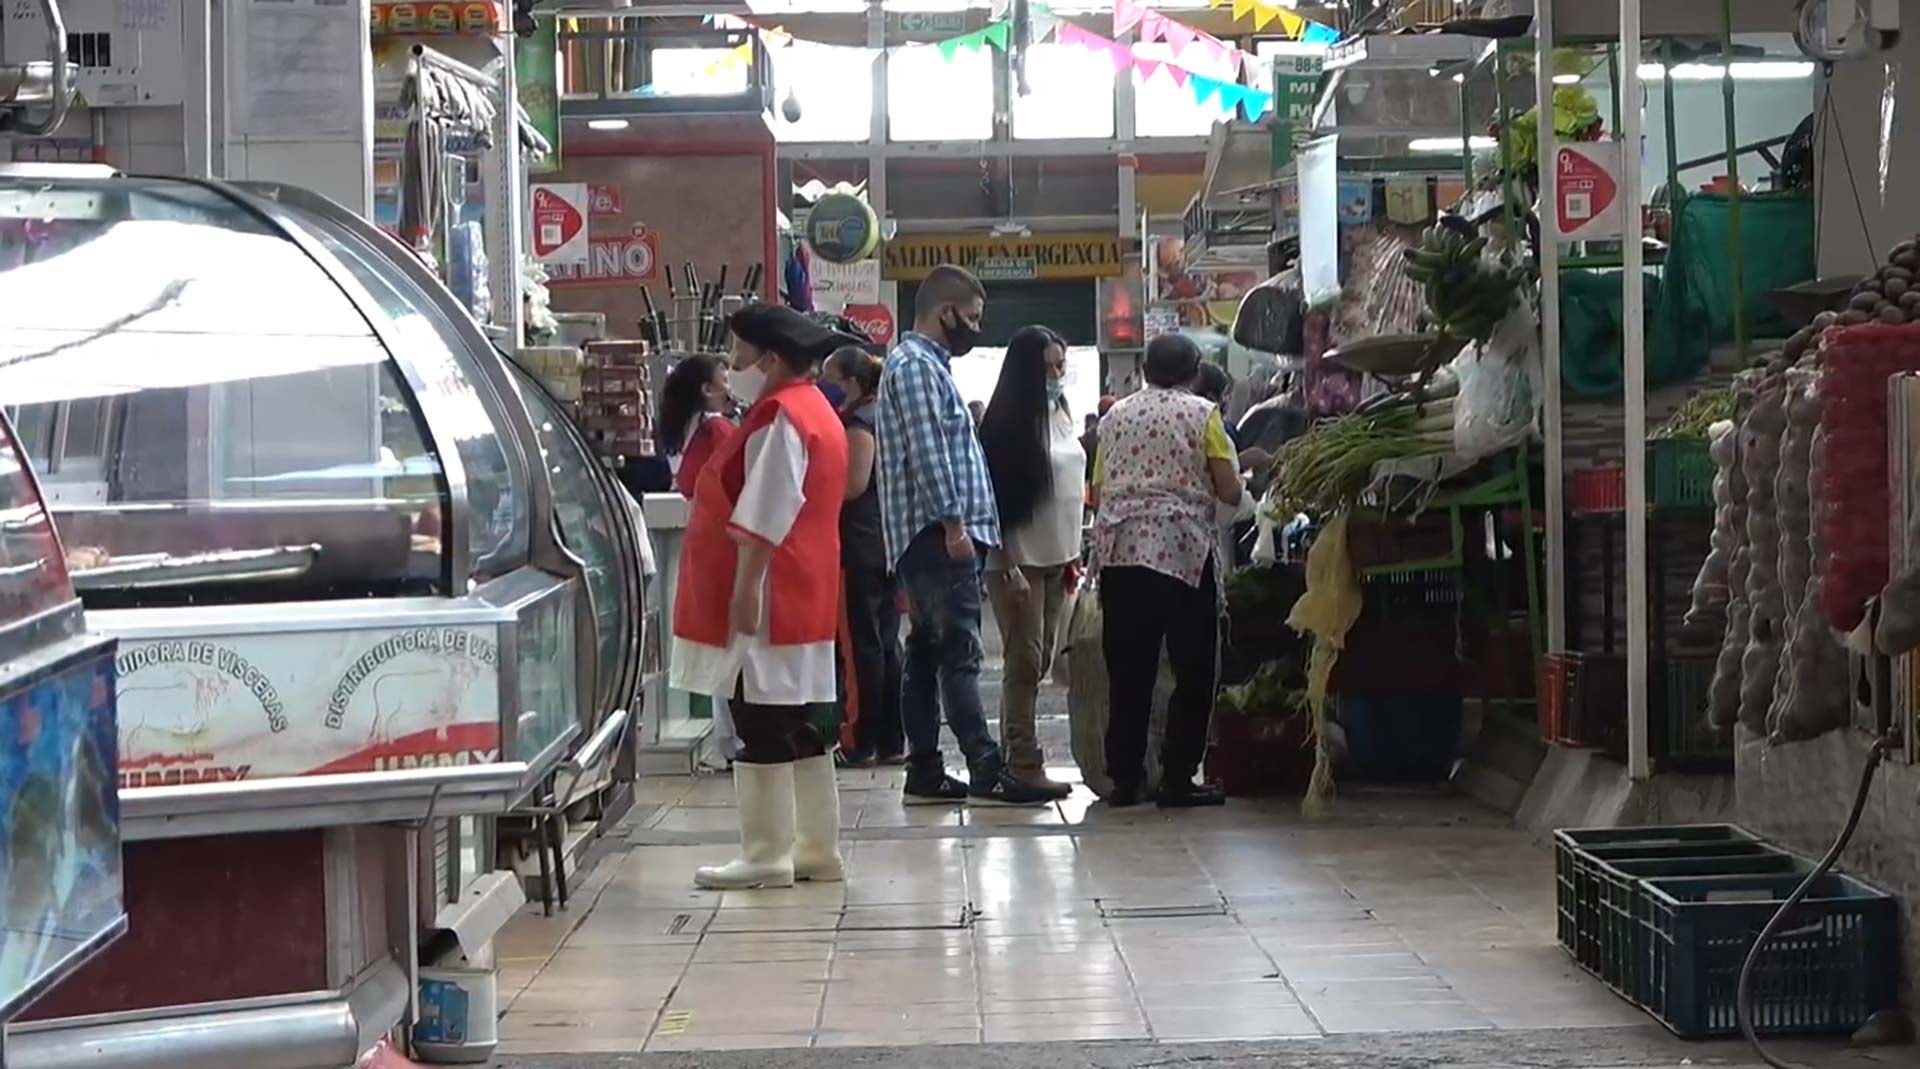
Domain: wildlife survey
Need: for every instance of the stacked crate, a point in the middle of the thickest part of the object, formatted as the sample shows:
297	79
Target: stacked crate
616	398
1666	917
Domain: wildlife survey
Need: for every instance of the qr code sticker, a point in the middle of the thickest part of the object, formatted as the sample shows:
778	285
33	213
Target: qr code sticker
550	234
1579	206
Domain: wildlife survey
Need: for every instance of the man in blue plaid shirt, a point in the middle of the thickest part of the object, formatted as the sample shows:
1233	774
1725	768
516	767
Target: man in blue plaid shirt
937	508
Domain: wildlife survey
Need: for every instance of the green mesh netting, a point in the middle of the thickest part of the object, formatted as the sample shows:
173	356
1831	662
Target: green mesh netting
1689	304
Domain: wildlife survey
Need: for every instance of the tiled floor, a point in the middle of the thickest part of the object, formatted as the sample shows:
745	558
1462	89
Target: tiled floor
1404	913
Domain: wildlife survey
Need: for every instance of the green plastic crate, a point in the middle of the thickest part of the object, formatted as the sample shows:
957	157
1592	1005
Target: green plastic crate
1690	739
1578	855
1835	963
1626	953
1680	473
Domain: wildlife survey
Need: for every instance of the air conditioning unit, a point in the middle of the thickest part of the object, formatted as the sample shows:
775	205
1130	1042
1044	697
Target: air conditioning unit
121	53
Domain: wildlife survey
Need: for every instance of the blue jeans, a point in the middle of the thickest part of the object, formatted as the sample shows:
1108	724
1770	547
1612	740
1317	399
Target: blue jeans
943	658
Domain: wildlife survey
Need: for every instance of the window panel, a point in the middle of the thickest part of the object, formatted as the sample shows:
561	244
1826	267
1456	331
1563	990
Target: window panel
1070	94
930	98
835	90
697	72
1162	108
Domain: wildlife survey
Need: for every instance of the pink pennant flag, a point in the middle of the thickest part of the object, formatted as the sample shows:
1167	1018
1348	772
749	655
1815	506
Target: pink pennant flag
1070	34
1179	35
1127	14
1147	67
1179	74
1120	55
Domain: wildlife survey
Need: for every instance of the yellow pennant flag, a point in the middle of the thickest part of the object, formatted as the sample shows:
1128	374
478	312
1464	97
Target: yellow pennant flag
1290	23
1262	14
1241	8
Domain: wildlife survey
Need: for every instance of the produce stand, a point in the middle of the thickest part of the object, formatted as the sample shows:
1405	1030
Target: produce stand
65	900
371	602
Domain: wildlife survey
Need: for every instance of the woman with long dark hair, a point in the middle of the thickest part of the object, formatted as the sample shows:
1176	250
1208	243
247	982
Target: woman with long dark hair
693	423
872	595
1036	461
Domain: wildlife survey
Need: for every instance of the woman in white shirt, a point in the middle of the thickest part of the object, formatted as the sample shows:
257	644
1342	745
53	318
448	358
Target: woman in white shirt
1034	455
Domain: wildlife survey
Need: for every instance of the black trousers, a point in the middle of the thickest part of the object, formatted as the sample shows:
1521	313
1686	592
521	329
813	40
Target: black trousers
873	630
1142	612
780	734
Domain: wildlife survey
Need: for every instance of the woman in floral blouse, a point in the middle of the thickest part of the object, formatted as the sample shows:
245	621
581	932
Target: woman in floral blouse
1164	461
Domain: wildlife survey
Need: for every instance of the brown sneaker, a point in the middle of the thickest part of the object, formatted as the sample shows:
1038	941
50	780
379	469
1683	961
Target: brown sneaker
1053	789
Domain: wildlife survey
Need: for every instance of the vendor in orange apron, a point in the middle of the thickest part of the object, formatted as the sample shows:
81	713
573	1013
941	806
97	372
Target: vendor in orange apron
758	600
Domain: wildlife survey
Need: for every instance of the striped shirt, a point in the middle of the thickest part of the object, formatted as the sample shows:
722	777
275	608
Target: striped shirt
930	465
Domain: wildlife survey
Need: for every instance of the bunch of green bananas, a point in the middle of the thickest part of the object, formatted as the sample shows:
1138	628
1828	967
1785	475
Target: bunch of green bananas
1467	297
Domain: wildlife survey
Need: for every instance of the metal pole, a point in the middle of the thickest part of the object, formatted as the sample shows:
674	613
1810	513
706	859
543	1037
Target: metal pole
1556	503
1466	131
504	178
1735	275
1634	357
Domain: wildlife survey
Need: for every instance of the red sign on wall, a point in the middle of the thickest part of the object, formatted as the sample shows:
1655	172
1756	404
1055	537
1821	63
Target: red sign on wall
875	319
1586	190
560	223
633	257
604	201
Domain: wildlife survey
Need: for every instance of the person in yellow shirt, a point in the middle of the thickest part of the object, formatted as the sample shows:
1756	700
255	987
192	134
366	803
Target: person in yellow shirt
1164	462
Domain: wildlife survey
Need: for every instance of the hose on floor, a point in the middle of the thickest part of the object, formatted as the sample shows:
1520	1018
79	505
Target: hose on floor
1743	999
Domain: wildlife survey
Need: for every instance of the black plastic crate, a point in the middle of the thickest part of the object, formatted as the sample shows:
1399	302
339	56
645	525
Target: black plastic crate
1578	853
1626	953
1834	964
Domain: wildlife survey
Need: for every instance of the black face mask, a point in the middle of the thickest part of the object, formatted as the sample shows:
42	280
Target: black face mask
961	336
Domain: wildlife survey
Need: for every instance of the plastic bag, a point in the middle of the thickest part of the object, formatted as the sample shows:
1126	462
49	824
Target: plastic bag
1494	409
1088	698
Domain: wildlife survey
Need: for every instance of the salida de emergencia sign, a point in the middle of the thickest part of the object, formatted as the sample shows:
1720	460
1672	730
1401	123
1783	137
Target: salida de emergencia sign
1586	190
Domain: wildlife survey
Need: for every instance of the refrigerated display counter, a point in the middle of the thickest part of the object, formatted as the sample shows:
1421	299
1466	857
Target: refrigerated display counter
369	596
59	811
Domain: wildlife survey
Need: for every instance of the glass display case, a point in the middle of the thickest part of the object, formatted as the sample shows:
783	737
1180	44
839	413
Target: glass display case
367	587
252	417
59	809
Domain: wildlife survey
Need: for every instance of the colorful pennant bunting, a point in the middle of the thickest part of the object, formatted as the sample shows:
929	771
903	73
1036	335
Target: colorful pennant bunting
1231	95
1265	14
994	33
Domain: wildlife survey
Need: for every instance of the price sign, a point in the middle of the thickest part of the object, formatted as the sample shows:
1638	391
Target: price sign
560	223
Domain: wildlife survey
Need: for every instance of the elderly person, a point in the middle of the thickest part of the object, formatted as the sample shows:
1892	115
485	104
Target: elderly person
1163	465
755	615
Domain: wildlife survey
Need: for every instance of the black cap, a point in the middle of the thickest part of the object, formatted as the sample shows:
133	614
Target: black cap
786	332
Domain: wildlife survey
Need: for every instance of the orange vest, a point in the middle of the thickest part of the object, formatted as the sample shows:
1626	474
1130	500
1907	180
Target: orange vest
803	579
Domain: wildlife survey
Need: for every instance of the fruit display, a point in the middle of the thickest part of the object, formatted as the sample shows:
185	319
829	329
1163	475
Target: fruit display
1467	293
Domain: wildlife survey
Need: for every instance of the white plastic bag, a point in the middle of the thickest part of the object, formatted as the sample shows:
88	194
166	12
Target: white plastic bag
1494	409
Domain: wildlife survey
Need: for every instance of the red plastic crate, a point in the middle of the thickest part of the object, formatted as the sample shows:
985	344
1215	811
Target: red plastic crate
1602	489
1555	693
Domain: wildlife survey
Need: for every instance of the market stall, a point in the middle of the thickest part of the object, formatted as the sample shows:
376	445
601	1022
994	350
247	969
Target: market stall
65	895
375	608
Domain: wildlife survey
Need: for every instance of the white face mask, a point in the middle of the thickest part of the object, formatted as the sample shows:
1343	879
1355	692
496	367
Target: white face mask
748	383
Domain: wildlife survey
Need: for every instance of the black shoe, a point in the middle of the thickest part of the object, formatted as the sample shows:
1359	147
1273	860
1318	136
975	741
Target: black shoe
1006	789
1124	798
928	791
1187	795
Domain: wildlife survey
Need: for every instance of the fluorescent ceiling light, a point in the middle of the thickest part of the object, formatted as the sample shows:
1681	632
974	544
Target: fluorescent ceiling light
606	124
1566	79
1743	71
1448	144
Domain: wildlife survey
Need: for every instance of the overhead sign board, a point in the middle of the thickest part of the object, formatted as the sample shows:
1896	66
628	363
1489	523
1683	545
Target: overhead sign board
1037	256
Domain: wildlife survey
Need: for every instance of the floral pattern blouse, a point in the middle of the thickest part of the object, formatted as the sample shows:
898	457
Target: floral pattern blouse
1156	493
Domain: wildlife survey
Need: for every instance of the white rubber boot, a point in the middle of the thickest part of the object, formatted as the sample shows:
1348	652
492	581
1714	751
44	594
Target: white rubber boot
764	796
816	805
